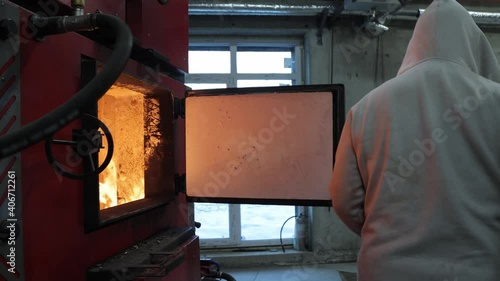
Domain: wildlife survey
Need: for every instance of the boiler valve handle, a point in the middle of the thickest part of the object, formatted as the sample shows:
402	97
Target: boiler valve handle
86	143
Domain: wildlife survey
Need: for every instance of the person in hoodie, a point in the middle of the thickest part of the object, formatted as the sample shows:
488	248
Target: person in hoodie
417	171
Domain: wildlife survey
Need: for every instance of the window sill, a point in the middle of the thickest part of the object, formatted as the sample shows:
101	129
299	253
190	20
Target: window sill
276	257
239	258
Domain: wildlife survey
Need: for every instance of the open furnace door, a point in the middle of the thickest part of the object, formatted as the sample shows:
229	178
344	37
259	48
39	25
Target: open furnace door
263	145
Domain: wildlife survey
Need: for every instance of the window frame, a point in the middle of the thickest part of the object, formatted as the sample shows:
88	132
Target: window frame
231	79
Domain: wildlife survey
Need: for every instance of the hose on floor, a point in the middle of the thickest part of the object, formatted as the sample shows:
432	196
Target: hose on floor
47	125
219	275
226	276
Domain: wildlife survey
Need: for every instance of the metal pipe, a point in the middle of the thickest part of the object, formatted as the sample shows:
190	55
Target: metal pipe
248	9
486	18
244	9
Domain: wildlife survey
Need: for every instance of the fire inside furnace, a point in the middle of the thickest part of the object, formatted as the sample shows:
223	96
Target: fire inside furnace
122	111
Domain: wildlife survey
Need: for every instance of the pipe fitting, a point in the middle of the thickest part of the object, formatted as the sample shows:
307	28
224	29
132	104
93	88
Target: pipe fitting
78	7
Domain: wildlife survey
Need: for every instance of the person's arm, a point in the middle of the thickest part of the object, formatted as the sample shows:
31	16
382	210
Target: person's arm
346	187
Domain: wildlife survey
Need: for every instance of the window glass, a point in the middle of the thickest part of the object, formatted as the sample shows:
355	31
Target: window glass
263	83
264	222
209	62
264	62
214	219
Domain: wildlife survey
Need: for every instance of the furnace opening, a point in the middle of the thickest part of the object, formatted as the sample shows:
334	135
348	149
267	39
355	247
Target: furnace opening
122	110
141	173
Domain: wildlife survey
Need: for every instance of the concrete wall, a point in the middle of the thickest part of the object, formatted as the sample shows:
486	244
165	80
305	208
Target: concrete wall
370	63
361	64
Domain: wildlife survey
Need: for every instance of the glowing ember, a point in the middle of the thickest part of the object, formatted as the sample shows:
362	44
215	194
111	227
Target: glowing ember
122	110
109	193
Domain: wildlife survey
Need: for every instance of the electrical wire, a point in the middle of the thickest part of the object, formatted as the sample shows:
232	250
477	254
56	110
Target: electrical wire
281	231
332	55
47	125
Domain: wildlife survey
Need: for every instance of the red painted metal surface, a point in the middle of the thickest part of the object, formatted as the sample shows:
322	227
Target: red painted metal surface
115	7
56	247
161	27
7	65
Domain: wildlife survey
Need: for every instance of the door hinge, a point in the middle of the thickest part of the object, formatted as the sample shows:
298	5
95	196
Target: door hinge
179	108
180	183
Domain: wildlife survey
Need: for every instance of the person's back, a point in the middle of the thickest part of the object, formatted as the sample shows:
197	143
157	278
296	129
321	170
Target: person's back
417	171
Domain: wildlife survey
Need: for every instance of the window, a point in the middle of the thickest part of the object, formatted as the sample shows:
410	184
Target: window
231	65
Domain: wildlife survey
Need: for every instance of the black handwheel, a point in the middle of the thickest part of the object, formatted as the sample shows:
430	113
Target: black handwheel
84	146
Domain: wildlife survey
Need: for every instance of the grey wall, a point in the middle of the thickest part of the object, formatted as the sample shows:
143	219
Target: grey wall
361	64
371	62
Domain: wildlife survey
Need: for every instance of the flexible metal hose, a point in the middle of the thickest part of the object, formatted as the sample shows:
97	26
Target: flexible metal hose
47	125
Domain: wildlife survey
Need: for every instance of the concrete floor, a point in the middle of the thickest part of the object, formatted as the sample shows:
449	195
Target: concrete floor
320	272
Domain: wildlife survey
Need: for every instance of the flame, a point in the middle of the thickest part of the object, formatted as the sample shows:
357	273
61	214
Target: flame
111	191
108	187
